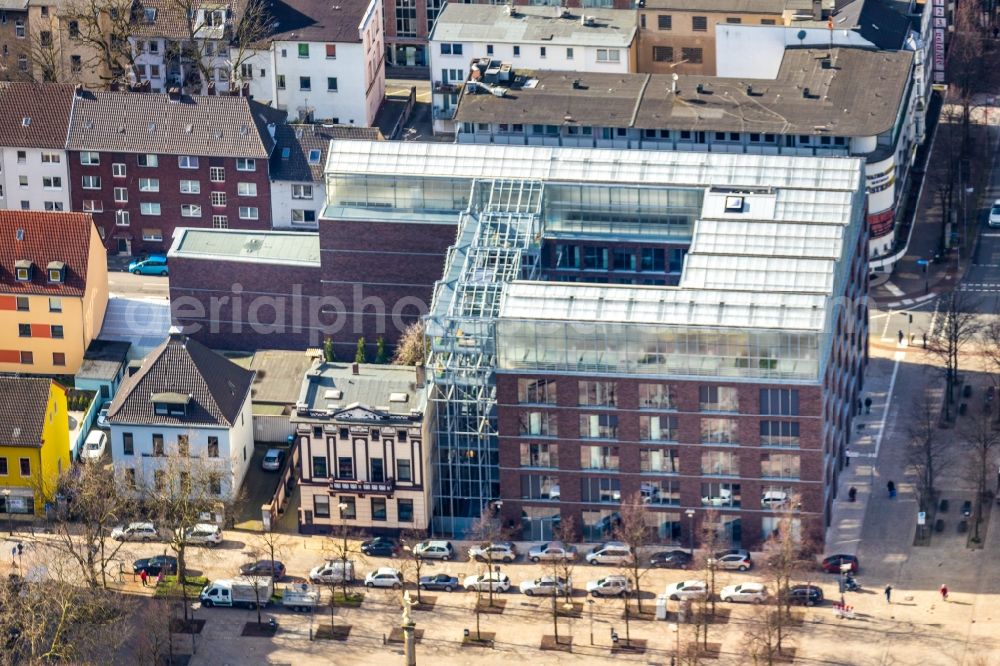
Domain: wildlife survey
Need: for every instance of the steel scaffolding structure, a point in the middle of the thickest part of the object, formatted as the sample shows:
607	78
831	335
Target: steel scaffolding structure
496	243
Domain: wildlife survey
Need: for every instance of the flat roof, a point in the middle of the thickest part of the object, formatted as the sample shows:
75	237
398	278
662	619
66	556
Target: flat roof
278	377
103	359
840	92
266	247
459	22
335	386
731	6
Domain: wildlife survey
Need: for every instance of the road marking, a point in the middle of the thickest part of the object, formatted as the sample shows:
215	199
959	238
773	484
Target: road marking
899	356
930	327
893	289
885	330
990	235
907	301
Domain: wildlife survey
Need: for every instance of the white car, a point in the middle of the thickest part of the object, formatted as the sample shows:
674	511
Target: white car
995	214
498	551
272	460
753	593
551	552
610	552
94	446
546	585
687	589
482	583
609	586
205	534
332	571
385	577
135	532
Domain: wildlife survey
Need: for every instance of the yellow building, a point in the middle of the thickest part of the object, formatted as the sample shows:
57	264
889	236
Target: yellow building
34	443
53	290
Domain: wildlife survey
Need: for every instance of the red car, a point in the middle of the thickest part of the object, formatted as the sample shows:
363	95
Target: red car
832	563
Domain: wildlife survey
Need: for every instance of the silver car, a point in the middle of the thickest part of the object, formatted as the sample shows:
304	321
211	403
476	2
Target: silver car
552	551
499	551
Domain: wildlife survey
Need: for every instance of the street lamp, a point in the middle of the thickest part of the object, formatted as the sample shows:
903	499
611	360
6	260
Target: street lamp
6	506
677	643
690	515
590	604
342	506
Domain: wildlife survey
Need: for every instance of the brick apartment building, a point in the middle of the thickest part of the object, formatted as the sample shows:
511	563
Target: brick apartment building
144	164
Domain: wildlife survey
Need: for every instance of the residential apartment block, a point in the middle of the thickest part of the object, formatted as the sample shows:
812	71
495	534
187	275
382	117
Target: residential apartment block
145	163
65	40
185	409
53	291
362	436
15	45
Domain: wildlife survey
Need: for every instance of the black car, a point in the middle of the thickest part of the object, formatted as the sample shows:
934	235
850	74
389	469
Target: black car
441	581
380	547
272	568
154	565
806	595
670	559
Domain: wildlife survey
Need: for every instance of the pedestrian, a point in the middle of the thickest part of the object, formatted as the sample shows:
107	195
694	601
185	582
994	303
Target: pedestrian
924	336
892	489
888	594
944	592
900	336
143	576
159	577
868	405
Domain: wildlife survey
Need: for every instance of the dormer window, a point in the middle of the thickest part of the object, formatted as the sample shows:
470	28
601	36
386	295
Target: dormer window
22	270
314	156
170	404
57	271
150	14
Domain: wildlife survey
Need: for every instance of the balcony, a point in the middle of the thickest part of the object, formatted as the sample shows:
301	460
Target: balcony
444	114
443	88
362	488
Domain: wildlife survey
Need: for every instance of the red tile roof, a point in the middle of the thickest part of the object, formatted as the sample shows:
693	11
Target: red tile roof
47	237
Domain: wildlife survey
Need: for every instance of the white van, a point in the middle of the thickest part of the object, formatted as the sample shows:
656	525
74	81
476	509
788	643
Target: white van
332	571
237	592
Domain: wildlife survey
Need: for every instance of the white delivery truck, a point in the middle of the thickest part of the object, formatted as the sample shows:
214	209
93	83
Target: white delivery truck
302	597
237	592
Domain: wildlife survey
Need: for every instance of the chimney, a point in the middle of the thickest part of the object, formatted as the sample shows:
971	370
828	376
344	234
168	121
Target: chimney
817	10
174	94
354	369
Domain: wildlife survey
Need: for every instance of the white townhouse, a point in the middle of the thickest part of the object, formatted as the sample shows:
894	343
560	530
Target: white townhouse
324	63
526	37
184	401
34	121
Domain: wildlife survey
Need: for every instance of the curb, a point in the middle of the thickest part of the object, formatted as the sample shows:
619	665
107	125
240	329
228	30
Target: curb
918	300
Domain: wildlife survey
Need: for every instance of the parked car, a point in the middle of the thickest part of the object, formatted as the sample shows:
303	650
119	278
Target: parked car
441	581
670	559
737	559
806	595
102	418
380	546
773	499
154	264
332	571
687	589
500	551
995	214
384	577
206	534
500	582
237	593
94	446
273	568
609	586
434	550
610	552
551	552
546	585
135	532
753	593
272	460
831	564
154	565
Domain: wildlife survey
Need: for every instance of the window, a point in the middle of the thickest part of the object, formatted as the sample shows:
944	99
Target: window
218	198
331	51
651	259
22	181
599	457
52	205
721	463
3	467
300	216
656	396
331	84
663	54
213	447
247	189
609	55
23	273
767	21
314	157
658	428
25	465
319	467
517	51
55	305
157	445
779	402
718	399
377	470
541	52
305	83
699	23
118	170
23	304
622	259
121	218
128	443
244	164
183	445
598	426
303	50
215	483
74	29
220	222
661	461
347	508
248	213
345	467
451	49
51	158
281	81
569	53
149	208
147	160
734	20
58	359
779	433
404	471
543	424
598	393
719	431
27	358
149	184
721	494
57	332
302	191
597	489
190	210
19	29
24	330
692	55
216	175
664	22
378	509
22	63
187	161
404	509
190	187
779	466
88	158
536	391
539	455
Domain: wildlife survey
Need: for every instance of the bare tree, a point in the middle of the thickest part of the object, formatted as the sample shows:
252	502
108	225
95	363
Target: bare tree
102	27
760	637
562	569
990	347
411	563
633	530
968	74
957	329
928	453
786	553
412	346
982	442
486	531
